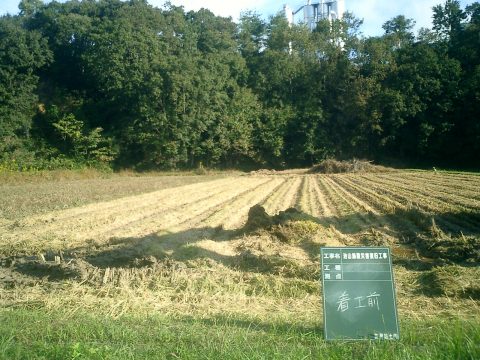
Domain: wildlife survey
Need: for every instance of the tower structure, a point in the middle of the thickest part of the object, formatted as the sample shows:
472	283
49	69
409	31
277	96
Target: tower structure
314	12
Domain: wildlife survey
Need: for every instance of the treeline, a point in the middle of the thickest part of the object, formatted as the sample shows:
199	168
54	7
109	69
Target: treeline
129	85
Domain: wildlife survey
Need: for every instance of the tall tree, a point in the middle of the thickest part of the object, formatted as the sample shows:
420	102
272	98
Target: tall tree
22	53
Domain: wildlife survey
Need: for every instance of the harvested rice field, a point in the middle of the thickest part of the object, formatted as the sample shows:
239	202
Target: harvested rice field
236	246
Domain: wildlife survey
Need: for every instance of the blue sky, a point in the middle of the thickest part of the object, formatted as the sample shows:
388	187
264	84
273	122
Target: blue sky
374	12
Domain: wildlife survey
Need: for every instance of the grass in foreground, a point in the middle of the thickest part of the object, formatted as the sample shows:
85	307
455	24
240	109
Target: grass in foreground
36	334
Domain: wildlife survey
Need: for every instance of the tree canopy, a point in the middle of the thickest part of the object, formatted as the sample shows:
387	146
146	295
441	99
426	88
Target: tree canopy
131	85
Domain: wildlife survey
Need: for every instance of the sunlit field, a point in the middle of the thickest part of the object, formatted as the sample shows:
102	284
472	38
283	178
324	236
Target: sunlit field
221	265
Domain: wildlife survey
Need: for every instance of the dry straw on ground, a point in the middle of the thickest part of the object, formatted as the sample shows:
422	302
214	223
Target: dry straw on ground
331	166
244	244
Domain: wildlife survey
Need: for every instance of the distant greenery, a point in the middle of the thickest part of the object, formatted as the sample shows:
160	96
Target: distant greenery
121	83
35	334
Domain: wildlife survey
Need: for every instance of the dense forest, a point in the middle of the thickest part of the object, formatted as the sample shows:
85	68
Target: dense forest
125	84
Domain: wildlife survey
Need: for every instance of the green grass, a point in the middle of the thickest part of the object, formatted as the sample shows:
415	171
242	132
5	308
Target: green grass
42	176
37	334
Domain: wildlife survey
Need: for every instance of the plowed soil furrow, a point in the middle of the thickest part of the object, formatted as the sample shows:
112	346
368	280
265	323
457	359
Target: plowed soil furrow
448	188
472	177
433	202
440	179
470	182
428	191
119	212
320	197
452	175
382	204
201	230
392	190
277	195
347	205
136	203
451	221
20	200
204	216
400	200
234	214
372	195
356	218
329	196
146	219
349	219
288	199
300	193
312	200
339	223
133	222
337	181
304	201
190	215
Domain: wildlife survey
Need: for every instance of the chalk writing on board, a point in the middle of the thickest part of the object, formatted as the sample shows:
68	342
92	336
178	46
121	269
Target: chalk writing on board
368	301
343	302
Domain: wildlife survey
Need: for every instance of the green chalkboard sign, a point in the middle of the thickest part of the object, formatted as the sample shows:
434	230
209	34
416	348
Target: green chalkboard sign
358	294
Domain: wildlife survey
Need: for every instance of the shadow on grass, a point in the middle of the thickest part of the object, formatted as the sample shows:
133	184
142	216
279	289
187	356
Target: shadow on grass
425	240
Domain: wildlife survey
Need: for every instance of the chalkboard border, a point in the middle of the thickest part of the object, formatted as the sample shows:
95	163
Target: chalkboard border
322	249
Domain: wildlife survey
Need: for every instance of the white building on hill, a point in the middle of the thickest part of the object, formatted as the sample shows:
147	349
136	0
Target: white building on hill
314	12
